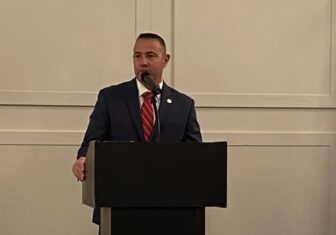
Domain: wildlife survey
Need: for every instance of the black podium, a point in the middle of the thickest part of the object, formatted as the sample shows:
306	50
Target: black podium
155	189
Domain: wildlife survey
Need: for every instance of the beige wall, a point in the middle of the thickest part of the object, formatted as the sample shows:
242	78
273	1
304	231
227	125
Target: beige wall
262	74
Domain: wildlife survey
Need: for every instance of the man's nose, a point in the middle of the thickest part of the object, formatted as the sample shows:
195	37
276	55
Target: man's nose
144	61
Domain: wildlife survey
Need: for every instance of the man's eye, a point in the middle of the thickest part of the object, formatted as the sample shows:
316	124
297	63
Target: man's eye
150	56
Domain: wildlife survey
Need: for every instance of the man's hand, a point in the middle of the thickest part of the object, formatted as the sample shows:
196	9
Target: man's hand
78	168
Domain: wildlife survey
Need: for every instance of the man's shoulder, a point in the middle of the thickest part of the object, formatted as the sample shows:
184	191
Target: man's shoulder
118	89
177	94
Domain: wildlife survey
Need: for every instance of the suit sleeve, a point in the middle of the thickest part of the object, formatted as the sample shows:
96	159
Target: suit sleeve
98	127
192	132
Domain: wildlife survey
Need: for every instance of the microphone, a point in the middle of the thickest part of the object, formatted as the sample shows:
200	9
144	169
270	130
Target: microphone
147	79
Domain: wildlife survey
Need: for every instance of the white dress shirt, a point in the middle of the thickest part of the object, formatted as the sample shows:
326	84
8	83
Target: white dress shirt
142	89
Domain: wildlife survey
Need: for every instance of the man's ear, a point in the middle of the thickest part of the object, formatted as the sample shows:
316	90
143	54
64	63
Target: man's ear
167	58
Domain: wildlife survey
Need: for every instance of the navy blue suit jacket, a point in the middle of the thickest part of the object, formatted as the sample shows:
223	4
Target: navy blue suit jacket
116	117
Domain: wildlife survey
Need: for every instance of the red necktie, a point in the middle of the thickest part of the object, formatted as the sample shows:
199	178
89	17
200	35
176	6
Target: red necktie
147	114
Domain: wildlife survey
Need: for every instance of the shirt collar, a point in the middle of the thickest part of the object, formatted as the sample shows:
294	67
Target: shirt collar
142	89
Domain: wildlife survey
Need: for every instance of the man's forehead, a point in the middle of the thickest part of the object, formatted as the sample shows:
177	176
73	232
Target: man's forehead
147	45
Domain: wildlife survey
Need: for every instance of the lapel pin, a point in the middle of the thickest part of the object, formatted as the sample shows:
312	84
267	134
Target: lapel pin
169	101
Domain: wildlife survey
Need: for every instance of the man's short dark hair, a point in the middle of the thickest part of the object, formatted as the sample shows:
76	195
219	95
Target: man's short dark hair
154	36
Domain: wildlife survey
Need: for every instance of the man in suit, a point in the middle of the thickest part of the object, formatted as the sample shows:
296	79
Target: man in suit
116	115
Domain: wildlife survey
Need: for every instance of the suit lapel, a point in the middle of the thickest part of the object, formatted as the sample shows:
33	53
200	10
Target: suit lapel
132	100
165	102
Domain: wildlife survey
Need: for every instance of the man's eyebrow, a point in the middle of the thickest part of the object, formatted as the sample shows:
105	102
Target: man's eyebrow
146	52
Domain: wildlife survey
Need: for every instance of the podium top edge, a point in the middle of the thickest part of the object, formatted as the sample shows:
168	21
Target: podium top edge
163	143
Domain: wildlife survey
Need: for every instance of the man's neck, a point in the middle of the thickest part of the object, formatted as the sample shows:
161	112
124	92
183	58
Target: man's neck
142	89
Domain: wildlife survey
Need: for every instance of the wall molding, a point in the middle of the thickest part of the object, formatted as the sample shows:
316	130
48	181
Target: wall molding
74	138
264	100
284	139
45	137
47	98
79	99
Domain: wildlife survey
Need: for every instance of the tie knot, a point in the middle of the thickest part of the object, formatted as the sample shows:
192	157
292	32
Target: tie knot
147	95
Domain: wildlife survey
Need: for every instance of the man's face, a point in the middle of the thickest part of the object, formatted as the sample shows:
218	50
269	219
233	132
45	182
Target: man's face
148	55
